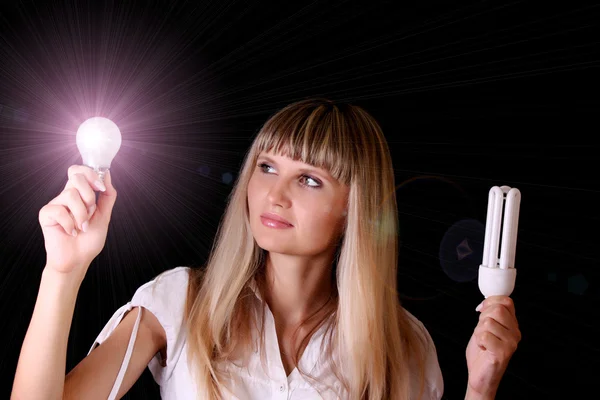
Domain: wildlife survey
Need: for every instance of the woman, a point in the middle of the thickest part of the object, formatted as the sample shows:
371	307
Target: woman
298	299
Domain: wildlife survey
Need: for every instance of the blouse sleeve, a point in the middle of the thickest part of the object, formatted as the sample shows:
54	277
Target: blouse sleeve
434	381
164	297
433	373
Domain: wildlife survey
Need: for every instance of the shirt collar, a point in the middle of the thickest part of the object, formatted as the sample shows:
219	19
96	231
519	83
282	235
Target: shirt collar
254	287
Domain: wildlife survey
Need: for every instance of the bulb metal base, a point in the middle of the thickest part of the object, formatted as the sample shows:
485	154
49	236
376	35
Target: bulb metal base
101	171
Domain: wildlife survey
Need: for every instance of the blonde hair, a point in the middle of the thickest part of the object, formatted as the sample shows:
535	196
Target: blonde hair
381	345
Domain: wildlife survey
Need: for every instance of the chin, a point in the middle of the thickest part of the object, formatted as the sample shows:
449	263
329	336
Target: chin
275	245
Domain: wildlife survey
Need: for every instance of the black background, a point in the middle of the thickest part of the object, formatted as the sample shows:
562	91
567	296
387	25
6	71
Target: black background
469	94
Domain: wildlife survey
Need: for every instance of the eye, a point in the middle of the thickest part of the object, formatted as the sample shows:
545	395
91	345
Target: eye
261	166
315	185
318	184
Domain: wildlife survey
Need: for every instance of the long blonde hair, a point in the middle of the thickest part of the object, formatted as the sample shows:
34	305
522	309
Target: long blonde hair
381	345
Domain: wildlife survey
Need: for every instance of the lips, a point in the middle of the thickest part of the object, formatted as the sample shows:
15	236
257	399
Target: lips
275	217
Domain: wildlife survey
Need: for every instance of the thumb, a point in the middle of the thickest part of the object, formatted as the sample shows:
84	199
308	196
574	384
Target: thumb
107	199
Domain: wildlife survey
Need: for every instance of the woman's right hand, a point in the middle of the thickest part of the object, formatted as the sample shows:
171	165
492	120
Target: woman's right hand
73	224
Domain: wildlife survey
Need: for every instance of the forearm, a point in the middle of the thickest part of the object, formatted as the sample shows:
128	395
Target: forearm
41	368
473	395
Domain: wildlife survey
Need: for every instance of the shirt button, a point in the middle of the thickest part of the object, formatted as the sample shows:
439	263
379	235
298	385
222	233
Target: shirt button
281	388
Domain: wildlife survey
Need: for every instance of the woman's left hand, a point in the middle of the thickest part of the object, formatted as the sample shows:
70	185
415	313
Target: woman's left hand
492	344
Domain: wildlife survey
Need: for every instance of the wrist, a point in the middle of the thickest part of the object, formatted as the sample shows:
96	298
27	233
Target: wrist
63	280
475	395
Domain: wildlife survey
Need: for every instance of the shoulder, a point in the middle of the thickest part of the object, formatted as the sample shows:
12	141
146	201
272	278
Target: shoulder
174	276
421	327
433	373
165	295
168	283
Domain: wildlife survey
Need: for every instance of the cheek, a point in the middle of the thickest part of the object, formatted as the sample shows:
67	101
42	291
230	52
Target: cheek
251	200
253	188
323	220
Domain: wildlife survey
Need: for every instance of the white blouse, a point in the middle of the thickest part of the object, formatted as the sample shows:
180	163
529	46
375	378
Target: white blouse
165	298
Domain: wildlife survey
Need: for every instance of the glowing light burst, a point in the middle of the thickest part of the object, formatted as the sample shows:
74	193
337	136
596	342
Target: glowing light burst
76	76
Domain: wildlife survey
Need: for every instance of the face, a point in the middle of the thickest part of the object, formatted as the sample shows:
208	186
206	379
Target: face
310	199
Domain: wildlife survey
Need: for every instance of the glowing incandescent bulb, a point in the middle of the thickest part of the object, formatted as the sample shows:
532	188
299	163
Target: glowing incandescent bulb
98	141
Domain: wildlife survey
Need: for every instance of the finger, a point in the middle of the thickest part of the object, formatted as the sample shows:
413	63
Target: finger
501	314
91	176
494	327
501	323
82	184
503	300
107	199
488	341
57	215
71	199
496	346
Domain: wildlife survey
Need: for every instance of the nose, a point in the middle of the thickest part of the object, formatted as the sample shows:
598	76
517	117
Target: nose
278	194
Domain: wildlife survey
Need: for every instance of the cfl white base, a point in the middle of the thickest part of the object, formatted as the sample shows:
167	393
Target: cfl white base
496	281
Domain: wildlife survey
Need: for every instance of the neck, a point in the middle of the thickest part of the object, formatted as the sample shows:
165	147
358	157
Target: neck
296	287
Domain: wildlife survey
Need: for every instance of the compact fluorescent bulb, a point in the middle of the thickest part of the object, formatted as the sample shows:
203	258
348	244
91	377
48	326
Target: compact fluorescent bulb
497	273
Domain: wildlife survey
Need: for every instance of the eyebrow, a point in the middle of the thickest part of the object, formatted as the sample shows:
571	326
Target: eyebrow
302	170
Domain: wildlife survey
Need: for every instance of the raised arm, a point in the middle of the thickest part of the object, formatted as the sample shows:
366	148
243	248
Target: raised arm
492	345
75	226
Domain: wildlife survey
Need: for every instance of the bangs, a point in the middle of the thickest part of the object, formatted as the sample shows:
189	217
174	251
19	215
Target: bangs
318	136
